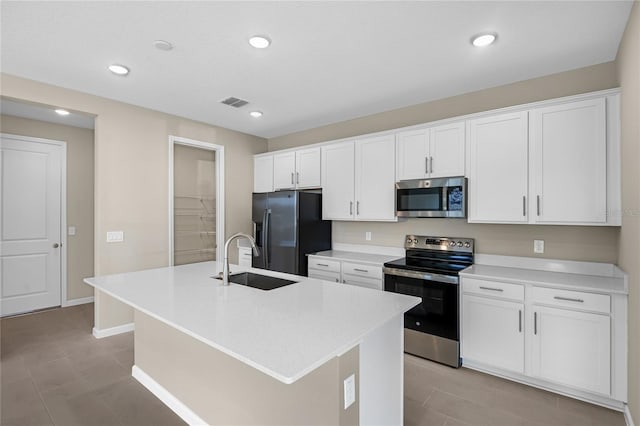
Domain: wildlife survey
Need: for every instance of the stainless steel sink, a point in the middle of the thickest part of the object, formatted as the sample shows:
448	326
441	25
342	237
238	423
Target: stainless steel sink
263	282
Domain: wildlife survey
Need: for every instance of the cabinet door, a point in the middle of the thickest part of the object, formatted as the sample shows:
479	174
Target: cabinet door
412	154
284	170
338	181
498	168
375	179
569	150
263	173
308	168
493	332
572	348
446	150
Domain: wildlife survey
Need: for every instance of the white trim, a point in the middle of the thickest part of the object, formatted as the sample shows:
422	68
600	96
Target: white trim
79	301
627	415
220	224
184	412
63	204
107	332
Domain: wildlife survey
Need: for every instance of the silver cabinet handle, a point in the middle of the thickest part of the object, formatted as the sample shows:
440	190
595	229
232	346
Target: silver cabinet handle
491	289
431	164
426	165
358	207
535	323
351	207
56	245
519	320
538	204
297	177
568	299
360	270
337	280
291	178
524	205
322	264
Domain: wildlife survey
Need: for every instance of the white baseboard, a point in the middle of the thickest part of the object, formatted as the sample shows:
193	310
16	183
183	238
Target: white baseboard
80	301
627	416
184	412
106	332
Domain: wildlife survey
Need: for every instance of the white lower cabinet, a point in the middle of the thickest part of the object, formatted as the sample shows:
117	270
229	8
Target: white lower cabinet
572	348
360	274
499	323
557	338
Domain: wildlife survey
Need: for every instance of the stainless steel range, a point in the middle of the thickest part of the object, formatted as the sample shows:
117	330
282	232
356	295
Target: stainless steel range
430	271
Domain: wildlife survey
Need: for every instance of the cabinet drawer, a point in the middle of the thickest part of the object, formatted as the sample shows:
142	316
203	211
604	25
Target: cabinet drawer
373	283
361	270
324	264
324	275
572	299
493	288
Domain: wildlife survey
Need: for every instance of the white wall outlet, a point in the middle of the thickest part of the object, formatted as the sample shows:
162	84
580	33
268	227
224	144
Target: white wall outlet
538	246
367	236
71	230
115	236
349	391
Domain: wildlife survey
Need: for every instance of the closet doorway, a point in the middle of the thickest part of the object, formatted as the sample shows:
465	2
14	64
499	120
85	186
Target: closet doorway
196	171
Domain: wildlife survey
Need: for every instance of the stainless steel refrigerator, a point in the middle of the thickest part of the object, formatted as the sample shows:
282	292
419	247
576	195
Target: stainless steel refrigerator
288	225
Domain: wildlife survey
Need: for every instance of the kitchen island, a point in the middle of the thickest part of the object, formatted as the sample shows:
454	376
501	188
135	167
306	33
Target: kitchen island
240	355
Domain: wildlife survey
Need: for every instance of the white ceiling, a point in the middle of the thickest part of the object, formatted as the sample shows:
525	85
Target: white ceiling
45	113
328	62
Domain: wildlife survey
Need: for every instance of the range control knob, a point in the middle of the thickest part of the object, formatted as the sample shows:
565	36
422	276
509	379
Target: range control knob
459	243
415	241
418	323
452	243
467	244
409	240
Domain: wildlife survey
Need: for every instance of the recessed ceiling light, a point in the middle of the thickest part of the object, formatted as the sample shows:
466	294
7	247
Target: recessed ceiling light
483	40
119	69
259	42
61	111
163	45
255	114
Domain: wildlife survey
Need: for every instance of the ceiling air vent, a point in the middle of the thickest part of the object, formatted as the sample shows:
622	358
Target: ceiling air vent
235	102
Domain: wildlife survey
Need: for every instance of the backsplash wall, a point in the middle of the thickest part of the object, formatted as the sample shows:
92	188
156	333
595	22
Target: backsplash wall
583	243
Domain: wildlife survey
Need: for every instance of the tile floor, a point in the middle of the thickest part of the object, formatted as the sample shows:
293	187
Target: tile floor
54	372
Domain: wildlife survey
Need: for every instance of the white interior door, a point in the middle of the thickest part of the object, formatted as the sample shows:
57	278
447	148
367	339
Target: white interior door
30	227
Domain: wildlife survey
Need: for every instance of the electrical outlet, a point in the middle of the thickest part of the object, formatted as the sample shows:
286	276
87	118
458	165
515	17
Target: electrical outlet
349	391
538	246
115	236
72	230
367	236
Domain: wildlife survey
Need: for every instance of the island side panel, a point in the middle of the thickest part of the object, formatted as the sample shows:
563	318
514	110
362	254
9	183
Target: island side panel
382	374
222	390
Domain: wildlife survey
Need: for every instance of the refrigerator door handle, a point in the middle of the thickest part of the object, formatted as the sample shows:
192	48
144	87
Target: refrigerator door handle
265	236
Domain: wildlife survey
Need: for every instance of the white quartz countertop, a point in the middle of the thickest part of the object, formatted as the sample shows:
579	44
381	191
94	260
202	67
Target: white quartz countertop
285	333
569	281
352	256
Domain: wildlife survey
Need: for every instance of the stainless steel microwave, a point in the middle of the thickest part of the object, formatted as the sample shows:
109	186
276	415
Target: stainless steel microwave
444	197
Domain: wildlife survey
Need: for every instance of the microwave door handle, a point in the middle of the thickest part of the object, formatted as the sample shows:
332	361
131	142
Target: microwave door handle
445	205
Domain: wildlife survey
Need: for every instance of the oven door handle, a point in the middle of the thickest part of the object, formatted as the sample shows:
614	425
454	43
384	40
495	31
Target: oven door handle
449	279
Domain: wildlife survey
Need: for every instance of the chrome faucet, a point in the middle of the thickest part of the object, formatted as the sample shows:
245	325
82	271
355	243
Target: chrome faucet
225	270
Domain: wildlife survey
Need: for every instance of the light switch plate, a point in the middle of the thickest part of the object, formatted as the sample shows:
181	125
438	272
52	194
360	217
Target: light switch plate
367	236
349	391
538	246
115	236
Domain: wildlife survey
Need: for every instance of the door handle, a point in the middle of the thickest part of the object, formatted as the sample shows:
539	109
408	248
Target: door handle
535	323
56	245
291	178
431	164
358	208
426	165
524	205
538	204
491	288
519	320
350	207
297	177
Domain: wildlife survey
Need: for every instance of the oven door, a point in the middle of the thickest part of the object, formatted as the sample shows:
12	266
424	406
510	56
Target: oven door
438	313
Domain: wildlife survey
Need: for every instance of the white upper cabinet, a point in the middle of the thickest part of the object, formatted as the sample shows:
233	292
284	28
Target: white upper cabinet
263	173
437	151
569	162
297	169
358	179
375	179
338	183
498	163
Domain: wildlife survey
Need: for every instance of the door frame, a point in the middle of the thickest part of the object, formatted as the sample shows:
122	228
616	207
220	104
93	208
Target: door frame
63	205
219	174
